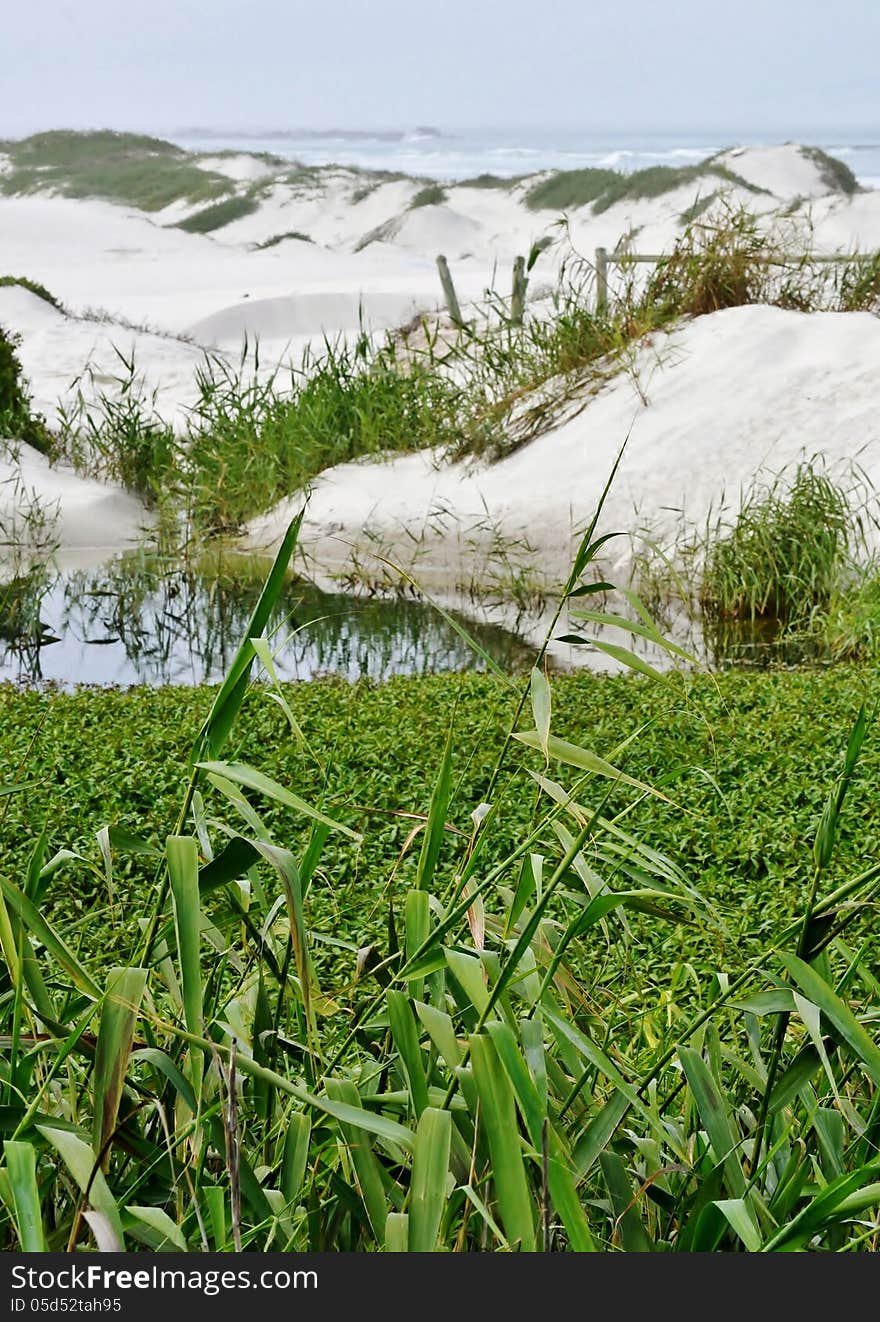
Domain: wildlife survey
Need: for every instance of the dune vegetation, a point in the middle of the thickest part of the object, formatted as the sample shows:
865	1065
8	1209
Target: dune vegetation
483	389
476	962
120	167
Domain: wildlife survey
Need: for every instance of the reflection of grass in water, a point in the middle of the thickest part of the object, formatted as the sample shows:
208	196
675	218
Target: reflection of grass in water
170	618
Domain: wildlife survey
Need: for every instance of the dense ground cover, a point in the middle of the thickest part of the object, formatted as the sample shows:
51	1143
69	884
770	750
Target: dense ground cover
749	755
586	1064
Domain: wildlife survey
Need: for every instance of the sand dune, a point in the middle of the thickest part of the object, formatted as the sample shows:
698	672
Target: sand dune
43	507
316	253
705	408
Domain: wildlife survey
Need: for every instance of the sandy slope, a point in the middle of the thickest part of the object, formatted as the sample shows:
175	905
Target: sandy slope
729	393
43	507
706	407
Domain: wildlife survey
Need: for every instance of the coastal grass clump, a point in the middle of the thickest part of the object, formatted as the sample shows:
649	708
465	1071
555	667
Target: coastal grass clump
113	431
835	174
275	239
567	189
253	440
218	214
494	181
511	1042
127	168
604	188
432	195
788	550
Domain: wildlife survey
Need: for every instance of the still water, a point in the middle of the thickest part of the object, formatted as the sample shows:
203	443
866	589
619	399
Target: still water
143	620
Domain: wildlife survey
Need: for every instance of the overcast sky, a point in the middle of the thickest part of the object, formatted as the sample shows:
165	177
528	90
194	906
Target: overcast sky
784	65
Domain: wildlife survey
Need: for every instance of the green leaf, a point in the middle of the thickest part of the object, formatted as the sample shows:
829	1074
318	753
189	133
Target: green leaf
527	885
429	1179
367	1170
574	756
45	933
21	1163
842	1198
470	974
295	1154
161	1061
541	708
80	1160
251	779
600	1132
498	1118
432	838
169	1235
629	659
227	703
183	870
406	1041
737	1213
816	989
119	1012
716	1118
441	1030
634	1238
397	1232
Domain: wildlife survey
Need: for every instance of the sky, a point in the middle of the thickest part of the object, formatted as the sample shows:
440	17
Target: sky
630	65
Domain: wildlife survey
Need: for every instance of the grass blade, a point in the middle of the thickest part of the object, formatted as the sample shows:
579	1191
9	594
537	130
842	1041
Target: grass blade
429	1179
125	988
516	1206
21	1164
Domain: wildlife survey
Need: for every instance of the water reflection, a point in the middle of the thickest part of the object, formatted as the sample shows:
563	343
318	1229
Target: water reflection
142	620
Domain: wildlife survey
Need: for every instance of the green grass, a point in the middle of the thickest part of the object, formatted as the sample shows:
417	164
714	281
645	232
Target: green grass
253	441
790	547
33	287
432	195
218	214
648	1005
835	174
18	421
274	241
567	189
490	181
125	168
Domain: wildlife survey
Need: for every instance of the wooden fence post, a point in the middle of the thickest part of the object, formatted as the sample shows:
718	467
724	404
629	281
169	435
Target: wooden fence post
449	292
518	293
601	279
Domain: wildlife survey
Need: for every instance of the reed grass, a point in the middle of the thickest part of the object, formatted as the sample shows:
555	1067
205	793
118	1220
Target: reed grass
789	549
464	1087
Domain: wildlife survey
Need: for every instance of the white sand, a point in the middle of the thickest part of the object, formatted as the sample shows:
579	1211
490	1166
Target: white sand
727	395
732	392
43	507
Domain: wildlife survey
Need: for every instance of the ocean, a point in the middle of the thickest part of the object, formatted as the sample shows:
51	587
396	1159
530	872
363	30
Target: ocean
437	154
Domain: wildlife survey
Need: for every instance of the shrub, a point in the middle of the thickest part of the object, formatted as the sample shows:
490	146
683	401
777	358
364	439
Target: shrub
17	419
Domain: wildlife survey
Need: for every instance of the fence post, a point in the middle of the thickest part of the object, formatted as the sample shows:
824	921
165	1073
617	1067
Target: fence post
518	293
449	292
601	279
